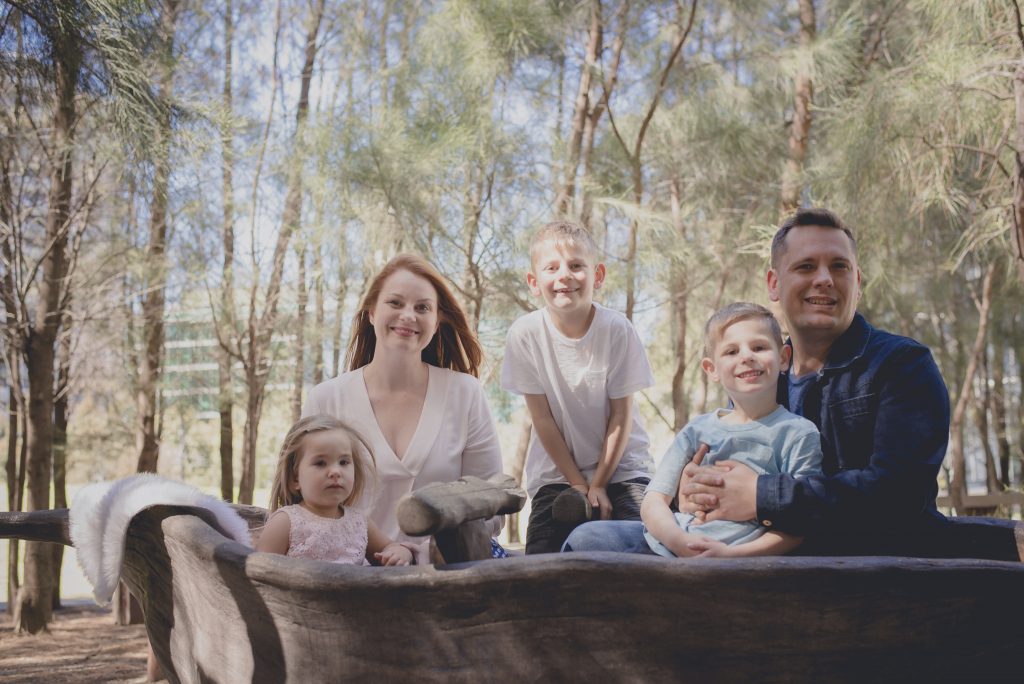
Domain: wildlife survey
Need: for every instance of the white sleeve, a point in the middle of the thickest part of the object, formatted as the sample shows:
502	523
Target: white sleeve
519	367
629	370
482	454
312	406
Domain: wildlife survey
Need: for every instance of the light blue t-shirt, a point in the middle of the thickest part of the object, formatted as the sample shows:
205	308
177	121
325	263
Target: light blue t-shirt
781	442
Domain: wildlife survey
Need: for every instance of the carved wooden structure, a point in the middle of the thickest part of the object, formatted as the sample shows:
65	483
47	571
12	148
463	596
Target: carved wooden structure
218	611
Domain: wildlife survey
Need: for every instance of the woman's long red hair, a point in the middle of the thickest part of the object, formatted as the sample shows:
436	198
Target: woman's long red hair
454	345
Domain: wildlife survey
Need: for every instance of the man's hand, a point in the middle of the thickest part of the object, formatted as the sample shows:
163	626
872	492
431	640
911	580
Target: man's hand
737	495
699	485
598	497
720	492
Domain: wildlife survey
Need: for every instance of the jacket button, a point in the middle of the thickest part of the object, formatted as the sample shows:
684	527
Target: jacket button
766	523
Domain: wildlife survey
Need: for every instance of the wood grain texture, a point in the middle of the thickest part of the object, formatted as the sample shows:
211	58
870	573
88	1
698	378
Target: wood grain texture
446	505
218	611
44	526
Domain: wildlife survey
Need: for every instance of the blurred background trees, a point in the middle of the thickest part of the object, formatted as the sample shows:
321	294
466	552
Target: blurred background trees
193	196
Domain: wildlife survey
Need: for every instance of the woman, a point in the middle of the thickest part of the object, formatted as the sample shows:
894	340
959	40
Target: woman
411	389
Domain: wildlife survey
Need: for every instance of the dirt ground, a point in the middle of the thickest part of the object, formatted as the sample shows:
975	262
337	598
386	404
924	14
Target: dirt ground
83	645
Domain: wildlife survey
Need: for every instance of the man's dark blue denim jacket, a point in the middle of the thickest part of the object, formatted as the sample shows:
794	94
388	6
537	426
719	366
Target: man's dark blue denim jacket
883	411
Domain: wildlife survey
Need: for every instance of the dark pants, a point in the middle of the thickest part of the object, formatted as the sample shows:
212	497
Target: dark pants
960	537
544	534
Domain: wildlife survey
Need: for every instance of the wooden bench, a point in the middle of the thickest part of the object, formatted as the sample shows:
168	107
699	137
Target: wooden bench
218	611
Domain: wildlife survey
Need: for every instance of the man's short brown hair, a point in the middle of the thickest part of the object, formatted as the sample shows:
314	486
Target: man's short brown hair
810	216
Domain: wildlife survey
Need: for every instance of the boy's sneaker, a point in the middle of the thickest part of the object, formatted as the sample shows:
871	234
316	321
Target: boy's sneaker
571	507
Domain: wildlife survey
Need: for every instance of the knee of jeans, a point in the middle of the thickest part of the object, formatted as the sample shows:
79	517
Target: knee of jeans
580	539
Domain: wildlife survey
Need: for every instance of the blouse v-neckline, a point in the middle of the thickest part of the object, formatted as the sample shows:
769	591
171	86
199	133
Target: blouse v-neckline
427	426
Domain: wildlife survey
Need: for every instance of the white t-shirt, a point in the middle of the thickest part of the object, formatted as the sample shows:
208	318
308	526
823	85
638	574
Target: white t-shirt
579	378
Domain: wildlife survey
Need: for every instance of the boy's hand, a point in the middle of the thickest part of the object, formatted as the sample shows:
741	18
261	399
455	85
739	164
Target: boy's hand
706	547
394	554
598	497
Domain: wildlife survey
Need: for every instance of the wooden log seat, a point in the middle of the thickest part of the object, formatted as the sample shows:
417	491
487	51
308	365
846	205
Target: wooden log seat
218	611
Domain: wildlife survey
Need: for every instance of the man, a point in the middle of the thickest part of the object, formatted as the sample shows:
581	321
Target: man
882	409
883	412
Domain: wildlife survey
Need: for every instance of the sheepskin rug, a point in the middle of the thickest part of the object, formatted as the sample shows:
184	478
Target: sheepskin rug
100	514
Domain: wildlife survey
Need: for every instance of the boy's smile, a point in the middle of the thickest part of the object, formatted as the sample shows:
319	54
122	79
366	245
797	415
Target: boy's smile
565	276
747	361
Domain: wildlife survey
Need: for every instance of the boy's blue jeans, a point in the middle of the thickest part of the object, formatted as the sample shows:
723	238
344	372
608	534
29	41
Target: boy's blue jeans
546	535
624	536
965	537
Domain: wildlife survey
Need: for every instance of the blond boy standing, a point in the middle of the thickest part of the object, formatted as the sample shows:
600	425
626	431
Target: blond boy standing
577	364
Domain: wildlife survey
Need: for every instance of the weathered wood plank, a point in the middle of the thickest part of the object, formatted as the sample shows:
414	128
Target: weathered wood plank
446	505
44	526
992	500
239	614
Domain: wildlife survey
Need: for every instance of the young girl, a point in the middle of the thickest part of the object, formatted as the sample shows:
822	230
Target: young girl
321	472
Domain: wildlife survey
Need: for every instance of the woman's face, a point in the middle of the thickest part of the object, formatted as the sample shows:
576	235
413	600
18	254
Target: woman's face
405	316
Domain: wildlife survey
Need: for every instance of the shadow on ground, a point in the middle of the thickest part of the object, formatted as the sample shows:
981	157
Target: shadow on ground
83	645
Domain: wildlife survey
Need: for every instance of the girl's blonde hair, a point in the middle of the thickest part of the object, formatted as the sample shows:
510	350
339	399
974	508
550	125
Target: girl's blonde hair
288	460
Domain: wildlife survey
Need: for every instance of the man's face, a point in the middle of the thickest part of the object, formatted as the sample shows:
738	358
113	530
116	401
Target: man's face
817	282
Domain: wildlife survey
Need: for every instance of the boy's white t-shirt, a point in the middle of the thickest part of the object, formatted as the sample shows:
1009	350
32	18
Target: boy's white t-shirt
579	378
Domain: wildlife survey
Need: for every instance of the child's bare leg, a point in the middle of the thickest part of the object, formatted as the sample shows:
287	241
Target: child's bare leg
153	671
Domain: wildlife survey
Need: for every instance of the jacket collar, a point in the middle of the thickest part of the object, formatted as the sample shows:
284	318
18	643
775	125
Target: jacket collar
847	348
851	344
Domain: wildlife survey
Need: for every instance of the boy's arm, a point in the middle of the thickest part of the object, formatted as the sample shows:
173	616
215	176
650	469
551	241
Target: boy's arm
771	543
620	423
552	441
661	522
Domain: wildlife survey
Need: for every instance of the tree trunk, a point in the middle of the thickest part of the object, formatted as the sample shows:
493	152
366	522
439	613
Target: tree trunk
14	408
800	130
516	471
636	153
958	485
981	425
997	405
256	383
680	295
567	190
339	314
302	298
318	330
60	440
225	380
594	117
260	331
1018	195
32	612
146	436
1020	415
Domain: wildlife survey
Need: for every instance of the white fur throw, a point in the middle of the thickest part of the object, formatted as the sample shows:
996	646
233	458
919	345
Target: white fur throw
100	514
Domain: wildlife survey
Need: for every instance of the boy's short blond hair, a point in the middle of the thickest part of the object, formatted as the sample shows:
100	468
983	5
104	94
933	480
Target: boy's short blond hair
563	232
734	313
